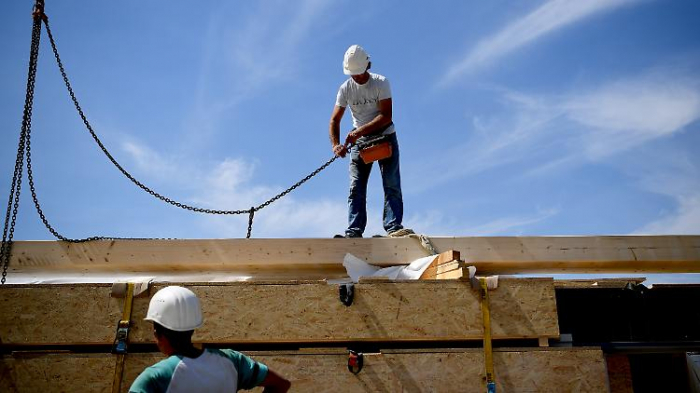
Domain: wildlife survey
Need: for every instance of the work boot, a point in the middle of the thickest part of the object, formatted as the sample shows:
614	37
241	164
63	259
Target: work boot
401	232
347	236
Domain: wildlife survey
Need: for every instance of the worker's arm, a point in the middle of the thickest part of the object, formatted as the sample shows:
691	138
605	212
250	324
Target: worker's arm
380	121
334	131
275	383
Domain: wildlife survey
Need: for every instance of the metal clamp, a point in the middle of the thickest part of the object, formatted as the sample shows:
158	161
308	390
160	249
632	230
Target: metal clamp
355	361
119	347
346	292
120	341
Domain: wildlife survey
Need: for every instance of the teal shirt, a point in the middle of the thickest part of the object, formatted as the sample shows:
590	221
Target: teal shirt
214	370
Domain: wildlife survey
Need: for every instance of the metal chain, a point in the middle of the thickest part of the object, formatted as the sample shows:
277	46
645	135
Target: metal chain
13	201
146	188
250	222
25	146
109	155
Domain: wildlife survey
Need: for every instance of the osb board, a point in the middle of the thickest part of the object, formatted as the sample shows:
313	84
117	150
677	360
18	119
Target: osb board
572	370
308	258
58	314
295	312
579	370
68	372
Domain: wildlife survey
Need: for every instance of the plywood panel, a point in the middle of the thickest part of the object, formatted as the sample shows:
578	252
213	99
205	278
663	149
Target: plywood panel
322	258
602	283
560	370
292	312
55	314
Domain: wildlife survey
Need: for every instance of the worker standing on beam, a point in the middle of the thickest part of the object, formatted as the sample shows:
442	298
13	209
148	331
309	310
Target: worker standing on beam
175	312
369	97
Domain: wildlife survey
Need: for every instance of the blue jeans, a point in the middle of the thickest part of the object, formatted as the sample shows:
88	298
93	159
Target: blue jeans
391	180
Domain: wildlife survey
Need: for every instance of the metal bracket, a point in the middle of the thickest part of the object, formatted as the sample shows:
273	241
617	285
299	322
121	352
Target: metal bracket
355	361
119	347
120	341
346	292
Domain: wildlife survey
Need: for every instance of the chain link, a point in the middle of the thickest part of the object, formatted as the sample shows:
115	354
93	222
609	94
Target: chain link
13	201
143	186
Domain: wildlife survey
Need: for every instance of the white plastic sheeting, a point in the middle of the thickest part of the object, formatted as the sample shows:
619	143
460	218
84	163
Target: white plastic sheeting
357	268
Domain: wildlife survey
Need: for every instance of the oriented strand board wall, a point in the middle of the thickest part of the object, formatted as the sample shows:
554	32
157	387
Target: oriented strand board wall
552	370
58	314
287	312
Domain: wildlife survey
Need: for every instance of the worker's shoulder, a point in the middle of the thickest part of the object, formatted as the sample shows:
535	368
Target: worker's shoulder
378	77
165	367
156	377
227	353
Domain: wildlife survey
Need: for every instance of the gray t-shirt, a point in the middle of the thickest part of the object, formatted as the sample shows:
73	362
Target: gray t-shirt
363	100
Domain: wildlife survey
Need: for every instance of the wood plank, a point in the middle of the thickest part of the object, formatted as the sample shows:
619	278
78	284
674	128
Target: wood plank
432	271
602	283
440	260
447	256
455	274
524	370
311	258
296	312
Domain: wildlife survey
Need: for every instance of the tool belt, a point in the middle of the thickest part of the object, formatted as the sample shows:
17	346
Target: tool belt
375	147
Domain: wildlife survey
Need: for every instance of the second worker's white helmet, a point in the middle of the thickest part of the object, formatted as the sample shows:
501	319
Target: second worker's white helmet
175	308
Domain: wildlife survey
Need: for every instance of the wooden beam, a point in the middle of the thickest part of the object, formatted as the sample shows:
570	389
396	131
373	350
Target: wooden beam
442	259
523	370
459	273
602	283
432	271
322	258
286	312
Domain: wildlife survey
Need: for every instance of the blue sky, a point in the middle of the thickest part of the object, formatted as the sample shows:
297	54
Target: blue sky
514	117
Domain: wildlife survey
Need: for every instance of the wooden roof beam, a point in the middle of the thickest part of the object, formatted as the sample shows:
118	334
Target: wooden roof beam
280	257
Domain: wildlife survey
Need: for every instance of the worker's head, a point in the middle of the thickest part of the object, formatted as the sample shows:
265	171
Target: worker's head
175	313
356	62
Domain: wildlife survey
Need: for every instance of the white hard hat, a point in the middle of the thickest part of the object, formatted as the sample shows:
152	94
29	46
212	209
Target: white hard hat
355	61
175	308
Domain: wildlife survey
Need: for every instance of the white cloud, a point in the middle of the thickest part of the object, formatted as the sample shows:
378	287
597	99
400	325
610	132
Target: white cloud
548	18
505	225
685	220
268	48
247	51
154	165
676	176
435	223
630	112
546	132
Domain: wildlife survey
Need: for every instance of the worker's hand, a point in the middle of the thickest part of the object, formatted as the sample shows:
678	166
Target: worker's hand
340	150
352	137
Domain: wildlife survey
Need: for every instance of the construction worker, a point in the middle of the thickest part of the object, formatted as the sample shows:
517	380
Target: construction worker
175	312
369	97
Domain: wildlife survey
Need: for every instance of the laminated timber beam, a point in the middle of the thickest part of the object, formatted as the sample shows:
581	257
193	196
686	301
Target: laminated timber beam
517	370
287	312
322	258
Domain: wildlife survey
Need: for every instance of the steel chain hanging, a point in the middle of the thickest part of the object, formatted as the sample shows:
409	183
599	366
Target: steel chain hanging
143	186
25	146
13	200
